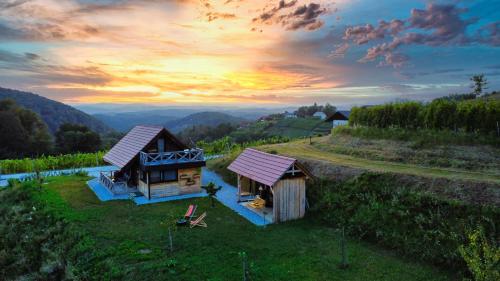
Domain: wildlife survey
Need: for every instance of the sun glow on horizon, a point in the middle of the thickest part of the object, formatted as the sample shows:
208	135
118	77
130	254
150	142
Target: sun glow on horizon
206	51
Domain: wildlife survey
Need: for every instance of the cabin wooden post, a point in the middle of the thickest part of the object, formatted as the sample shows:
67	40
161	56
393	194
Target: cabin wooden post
239	188
149	185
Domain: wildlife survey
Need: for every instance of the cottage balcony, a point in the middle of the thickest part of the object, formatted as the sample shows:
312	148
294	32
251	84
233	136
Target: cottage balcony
172	157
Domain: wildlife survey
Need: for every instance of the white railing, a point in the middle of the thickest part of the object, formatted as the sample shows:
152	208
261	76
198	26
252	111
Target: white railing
113	186
172	157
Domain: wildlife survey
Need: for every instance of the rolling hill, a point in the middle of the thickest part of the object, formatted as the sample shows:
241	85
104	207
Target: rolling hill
125	121
202	118
52	112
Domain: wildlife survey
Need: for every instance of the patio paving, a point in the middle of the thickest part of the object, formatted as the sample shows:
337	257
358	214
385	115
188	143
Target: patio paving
227	195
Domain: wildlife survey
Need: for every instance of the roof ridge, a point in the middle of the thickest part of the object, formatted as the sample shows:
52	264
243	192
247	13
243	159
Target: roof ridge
273	155
149	126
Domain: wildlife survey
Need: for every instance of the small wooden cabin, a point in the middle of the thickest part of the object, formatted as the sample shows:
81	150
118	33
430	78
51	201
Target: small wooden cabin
154	162
278	180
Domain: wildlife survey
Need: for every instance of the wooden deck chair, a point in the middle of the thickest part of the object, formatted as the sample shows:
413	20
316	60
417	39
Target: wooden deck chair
199	221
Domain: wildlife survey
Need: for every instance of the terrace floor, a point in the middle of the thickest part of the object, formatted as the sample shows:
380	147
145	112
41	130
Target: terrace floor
227	196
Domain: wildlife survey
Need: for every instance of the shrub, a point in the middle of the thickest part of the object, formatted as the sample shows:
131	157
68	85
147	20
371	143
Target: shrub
482	257
47	163
38	243
416	224
478	115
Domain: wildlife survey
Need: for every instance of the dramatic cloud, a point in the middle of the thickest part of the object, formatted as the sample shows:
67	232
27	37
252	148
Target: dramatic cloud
437	25
267	16
303	17
489	34
211	16
204	51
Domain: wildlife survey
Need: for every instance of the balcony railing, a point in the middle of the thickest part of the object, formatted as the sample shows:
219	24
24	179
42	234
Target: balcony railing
172	157
116	186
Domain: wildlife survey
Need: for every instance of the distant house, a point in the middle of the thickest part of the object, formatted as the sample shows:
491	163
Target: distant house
339	118
320	115
155	163
270	185
289	115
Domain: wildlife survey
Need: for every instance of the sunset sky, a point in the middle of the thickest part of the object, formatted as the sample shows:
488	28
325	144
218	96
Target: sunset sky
242	52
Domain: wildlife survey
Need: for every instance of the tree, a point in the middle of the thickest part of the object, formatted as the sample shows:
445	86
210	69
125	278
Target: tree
12	135
329	109
72	138
212	191
479	83
22	132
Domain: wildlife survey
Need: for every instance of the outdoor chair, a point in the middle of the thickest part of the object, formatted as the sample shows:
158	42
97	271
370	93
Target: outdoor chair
188	216
199	221
258	203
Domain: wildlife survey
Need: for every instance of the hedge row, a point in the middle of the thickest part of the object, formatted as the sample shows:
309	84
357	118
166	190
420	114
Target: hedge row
480	115
47	163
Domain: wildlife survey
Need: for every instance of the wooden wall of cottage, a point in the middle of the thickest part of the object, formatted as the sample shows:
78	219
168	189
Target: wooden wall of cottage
289	199
188	181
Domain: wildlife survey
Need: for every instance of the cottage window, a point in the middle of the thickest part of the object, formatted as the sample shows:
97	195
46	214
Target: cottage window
155	176
163	176
169	175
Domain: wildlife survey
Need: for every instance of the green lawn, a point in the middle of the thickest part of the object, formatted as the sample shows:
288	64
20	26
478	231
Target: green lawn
134	241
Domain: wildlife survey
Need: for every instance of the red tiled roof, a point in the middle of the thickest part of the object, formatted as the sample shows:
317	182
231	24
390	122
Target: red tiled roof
260	166
129	146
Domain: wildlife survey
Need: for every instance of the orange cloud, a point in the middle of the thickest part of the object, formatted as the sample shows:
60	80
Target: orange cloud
165	51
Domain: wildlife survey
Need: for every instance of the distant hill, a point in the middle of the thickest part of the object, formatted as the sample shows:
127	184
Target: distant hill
202	118
52	112
125	121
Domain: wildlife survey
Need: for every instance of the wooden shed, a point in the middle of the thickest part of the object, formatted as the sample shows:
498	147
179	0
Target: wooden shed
271	185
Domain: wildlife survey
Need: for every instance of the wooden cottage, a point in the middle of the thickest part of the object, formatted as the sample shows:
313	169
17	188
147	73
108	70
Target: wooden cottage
277	181
339	118
155	163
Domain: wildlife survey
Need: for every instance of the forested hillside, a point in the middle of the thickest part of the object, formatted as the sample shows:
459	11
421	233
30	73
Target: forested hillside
53	113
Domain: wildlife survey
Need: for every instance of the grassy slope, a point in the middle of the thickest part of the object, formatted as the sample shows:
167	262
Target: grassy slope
300	250
319	151
298	127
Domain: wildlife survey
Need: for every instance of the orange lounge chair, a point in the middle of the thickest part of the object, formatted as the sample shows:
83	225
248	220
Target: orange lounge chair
188	216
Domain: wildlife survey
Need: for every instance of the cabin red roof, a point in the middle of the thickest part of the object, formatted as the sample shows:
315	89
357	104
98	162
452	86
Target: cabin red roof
136	140
260	166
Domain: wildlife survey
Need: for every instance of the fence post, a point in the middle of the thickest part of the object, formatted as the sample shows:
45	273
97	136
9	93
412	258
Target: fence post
244	267
170	239
343	263
498	130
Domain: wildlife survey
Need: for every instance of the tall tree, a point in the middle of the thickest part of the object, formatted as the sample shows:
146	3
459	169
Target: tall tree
329	109
22	132
72	138
479	83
